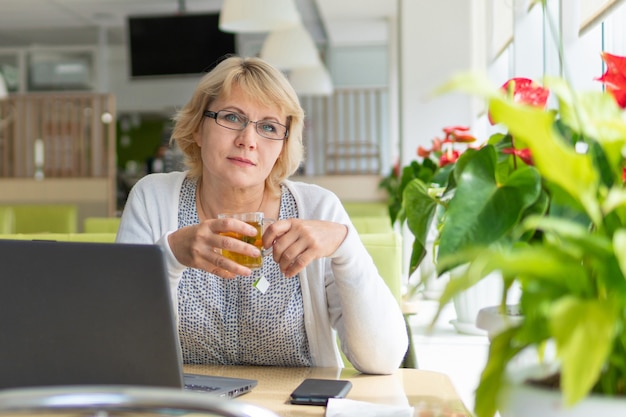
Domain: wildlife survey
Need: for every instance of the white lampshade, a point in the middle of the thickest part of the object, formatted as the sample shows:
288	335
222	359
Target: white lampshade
311	81
290	48
244	16
4	92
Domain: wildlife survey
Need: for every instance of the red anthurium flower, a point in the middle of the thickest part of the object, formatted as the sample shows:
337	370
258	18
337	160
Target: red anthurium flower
624	174
464	138
423	152
437	144
458	134
453	129
615	77
526	91
449	157
396	169
523	154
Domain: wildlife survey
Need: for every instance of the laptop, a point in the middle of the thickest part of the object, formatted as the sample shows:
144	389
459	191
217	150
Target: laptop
92	313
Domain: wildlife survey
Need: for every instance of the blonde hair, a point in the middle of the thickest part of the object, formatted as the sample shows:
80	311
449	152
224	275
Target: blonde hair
265	84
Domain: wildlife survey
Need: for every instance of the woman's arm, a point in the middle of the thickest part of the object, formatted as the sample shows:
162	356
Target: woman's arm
151	214
358	302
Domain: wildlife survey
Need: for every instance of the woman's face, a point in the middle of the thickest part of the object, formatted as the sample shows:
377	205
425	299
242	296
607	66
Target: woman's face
239	159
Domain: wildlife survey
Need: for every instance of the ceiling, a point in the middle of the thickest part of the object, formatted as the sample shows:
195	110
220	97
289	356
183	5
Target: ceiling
84	22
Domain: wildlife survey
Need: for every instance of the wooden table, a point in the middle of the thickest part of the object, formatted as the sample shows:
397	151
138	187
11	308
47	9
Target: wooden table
430	393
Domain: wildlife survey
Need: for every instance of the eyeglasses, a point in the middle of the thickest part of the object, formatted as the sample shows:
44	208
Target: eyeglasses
235	121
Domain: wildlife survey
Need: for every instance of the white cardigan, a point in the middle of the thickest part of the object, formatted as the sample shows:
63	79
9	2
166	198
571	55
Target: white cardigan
342	292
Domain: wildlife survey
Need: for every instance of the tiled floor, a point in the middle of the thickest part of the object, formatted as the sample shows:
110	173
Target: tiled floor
460	356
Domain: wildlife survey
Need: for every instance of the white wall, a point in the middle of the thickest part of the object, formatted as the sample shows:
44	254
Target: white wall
161	95
436	43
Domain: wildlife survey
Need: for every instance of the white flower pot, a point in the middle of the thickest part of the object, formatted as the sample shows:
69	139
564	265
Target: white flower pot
487	292
493	321
433	284
524	400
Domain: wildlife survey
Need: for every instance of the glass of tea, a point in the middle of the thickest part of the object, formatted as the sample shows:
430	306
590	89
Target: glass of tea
257	220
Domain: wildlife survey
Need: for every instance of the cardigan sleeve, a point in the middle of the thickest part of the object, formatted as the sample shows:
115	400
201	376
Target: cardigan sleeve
150	215
359	304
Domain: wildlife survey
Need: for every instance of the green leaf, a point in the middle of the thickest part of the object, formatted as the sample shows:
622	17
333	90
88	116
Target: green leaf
574	172
594	114
483	211
529	264
619	246
420	208
615	199
581	329
492	379
573	233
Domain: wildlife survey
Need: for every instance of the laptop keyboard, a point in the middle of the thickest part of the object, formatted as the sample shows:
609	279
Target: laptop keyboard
200	388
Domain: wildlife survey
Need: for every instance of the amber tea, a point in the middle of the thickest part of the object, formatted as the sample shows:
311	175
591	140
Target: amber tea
249	261
257	220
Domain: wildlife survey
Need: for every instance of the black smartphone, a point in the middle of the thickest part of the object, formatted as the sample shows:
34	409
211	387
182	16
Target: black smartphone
318	391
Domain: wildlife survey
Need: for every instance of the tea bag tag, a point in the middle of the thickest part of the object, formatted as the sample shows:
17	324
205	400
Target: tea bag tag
262	284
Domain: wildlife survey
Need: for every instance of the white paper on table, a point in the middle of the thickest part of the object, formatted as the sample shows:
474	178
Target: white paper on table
343	407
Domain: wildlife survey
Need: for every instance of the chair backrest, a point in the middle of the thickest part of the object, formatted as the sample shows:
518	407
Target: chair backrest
7	220
386	251
62	237
45	218
372	224
101	224
366	208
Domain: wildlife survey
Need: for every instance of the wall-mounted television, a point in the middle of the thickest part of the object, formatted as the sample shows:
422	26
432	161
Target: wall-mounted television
180	44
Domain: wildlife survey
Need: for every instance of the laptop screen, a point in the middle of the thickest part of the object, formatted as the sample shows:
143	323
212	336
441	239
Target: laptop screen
86	313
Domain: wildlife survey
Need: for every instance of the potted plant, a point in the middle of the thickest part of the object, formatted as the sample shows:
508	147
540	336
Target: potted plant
565	245
461	203
432	169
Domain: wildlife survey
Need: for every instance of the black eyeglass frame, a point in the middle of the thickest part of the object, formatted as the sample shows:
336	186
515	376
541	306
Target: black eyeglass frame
213	115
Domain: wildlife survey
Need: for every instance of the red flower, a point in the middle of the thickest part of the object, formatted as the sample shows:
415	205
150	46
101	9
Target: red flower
464	138
396	169
615	77
525	91
523	154
453	129
437	144
449	157
423	152
458	134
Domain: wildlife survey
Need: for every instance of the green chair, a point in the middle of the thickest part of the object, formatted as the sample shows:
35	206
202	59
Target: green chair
372	224
7	220
101	224
366	208
386	251
103	237
45	218
63	237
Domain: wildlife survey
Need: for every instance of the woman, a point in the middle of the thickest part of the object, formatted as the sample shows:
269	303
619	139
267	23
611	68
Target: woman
241	133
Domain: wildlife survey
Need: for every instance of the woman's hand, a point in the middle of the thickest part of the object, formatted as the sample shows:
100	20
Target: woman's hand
199	246
297	242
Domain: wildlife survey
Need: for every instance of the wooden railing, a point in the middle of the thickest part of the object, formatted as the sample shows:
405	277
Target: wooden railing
347	132
57	135
61	141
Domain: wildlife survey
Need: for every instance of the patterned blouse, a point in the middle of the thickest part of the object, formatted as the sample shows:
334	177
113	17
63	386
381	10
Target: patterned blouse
229	321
